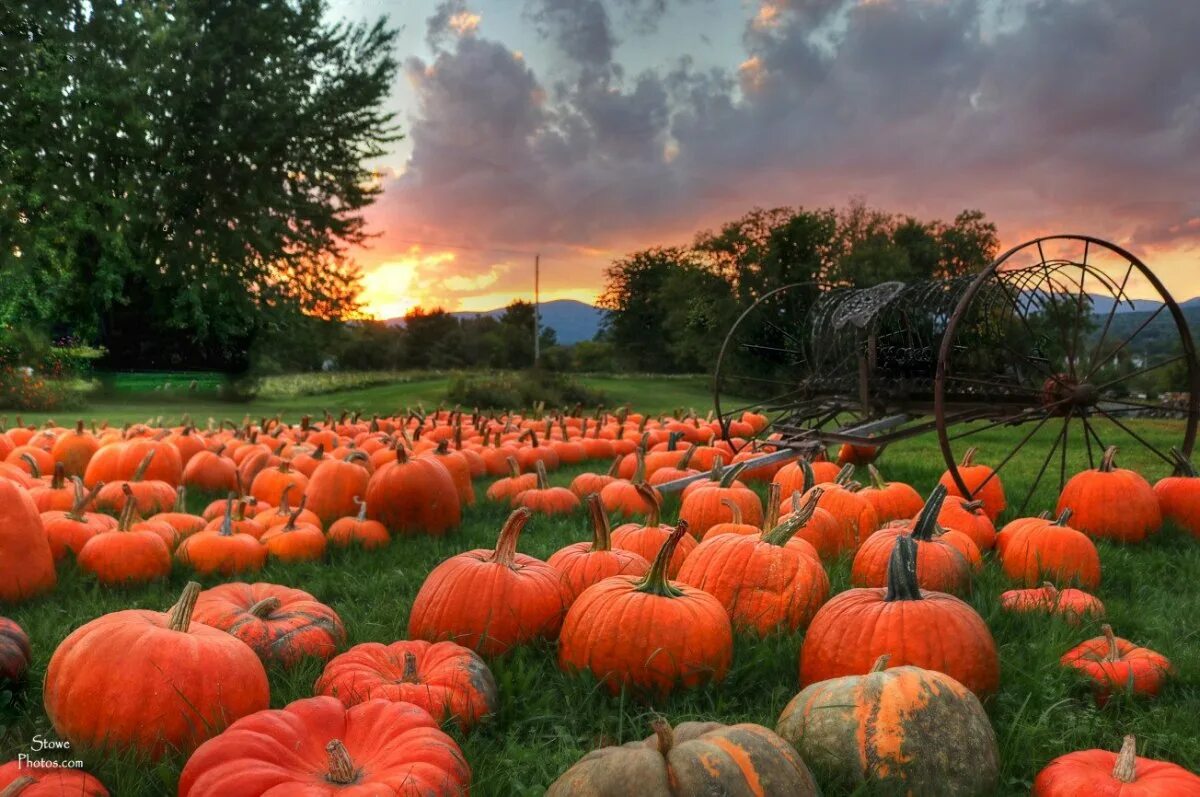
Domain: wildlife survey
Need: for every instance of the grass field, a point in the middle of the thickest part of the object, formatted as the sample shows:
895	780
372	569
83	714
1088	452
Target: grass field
549	719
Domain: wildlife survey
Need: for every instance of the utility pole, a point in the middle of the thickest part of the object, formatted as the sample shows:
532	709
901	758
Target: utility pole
537	321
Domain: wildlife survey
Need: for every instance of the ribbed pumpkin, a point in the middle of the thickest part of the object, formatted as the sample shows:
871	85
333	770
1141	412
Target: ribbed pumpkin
68	531
318	747
1112	503
150	495
73	450
1099	773
647	539
587	483
336	486
854	514
209	472
544	499
490	600
222	550
358	530
178	518
270	482
58	493
797	475
647	633
892	500
413	495
19	779
942	565
295	541
891	731
15	653
126	555
192	680
737	524
968	517
26	562
459	468
120	461
983	484
705	507
933	630
582	564
629	498
1179	495
689	760
767	582
1073	605
1043	550
447	680
280	624
1114	665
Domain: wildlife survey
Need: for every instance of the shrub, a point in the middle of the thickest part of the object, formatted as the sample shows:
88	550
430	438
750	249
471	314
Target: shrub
521	390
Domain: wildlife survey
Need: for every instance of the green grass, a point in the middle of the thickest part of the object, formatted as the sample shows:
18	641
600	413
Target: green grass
548	719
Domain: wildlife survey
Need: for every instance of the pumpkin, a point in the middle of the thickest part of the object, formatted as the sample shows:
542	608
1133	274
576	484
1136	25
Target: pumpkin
317	746
269	483
1105	774
490	600
892	500
535	452
854	513
857	455
737	523
587	483
26	561
968	517
241	520
445	679
632	497
945	559
823	531
222	550
1112	503
460	470
15	653
903	730
767	582
983	484
150	495
716	472
704	508
1179	495
647	633
582	564
209	472
544	499
796	475
1040	550
413	495
190	681
927	629
295	541
358	530
693	758
336	487
184	522
20	779
74	450
57	494
126	554
680	470
280	624
1117	665
1073	605
68	531
648	539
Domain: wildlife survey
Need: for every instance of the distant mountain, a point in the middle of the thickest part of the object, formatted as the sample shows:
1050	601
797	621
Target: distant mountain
571	321
1101	304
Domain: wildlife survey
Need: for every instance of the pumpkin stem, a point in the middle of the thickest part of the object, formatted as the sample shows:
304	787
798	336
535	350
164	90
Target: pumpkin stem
673	440
714	474
180	500
1125	769
82	499
362	508
781	533
295	515
265	607
34	470
1106	464
285	506
1051	591
735	511
1114	652
810	477
666	736
506	546
902	571
881	663
969	457
181	613
773	502
926	523
655	582
514	468
876	478
845	475
731	474
601	529
401	457
60	474
341	766
615	468
409	676
227	523
685	461
1063	517
543	481
142	467
973	506
639	472
17	786
651	497
1183	466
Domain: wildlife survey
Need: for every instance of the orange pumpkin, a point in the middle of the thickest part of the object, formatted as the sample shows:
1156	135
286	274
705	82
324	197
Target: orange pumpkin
281	625
647	539
358	530
587	483
413	495
544	499
295	541
222	550
1179	495
1112	503
26	561
20	779
892	500
1035	550
704	508
1074	605
336	486
1101	773
126	555
968	517
73	450
68	531
983	484
854	514
1115	665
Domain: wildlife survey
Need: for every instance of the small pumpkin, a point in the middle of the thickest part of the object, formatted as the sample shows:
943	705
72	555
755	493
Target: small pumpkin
127	554
737	522
888	732
20	779
280	624
69	530
587	483
1073	605
1112	503
1114	665
295	541
1103	773
983	484
358	530
630	498
647	539
892	500
582	564
222	550
706	507
445	679
209	472
855	515
693	758
543	499
968	517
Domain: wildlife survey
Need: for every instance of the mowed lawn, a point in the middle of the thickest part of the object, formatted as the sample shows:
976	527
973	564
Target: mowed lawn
548	719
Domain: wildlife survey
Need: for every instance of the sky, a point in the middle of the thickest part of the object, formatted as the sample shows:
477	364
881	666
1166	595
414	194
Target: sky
582	130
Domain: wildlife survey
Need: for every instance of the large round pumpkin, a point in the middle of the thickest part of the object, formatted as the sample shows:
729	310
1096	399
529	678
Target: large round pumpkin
280	624
1033	550
318	747
414	495
927	629
1100	773
1179	495
490	600
151	682
445	679
337	487
893	730
26	563
1112	503
691	759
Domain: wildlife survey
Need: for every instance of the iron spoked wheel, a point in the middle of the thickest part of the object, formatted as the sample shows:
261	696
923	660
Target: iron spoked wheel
765	365
1051	340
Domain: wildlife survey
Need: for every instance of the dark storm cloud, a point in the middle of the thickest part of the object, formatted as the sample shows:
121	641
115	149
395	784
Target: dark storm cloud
1063	114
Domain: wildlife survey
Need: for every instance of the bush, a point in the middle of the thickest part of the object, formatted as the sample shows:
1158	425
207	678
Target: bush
37	374
521	390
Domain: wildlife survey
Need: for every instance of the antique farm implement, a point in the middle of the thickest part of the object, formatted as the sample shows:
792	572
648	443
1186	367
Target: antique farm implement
1046	338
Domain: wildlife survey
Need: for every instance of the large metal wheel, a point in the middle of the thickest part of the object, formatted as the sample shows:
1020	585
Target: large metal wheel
1050	339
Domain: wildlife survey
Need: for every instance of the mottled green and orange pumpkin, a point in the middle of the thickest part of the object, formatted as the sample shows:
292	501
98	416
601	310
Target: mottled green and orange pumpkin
903	730
280	624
